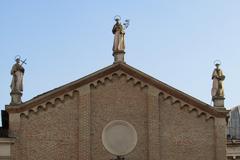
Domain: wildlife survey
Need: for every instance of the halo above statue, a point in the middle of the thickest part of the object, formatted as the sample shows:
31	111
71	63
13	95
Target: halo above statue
117	18
217	62
17	57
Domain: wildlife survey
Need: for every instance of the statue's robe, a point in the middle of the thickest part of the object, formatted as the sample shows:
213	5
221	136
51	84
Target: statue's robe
17	79
119	42
217	86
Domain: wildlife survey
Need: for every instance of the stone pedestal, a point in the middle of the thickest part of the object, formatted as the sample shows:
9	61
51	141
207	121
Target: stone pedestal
118	56
218	103
16	98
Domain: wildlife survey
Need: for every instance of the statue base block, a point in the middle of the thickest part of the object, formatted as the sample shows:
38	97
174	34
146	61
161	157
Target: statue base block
218	102
16	98
118	56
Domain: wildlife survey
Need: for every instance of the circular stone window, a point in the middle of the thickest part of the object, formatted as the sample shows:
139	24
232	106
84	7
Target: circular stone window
119	137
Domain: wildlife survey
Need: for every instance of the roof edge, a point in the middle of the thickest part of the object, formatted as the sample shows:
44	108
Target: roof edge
107	70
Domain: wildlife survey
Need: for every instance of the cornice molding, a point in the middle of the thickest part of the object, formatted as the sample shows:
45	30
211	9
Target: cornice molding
100	77
48	104
183	104
119	74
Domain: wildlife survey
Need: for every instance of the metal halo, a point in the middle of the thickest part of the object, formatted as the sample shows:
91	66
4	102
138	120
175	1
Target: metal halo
17	57
217	62
117	17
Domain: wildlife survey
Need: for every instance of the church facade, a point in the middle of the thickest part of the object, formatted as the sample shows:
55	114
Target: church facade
67	123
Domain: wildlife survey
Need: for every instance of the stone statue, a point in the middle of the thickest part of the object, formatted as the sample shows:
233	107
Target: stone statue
17	77
17	82
119	35
217	86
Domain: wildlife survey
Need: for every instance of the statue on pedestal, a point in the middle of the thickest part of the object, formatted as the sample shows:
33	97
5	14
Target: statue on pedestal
17	72
119	34
217	86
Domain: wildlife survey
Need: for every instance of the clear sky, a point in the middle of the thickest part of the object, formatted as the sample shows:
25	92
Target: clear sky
171	40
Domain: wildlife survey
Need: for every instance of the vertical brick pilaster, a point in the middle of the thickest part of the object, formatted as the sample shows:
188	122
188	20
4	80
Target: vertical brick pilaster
84	123
153	124
14	124
14	127
220	138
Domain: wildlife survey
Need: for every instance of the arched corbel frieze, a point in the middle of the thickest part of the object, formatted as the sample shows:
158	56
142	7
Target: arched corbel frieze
49	104
164	96
119	74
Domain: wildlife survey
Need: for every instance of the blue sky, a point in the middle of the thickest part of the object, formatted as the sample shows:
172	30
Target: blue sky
171	40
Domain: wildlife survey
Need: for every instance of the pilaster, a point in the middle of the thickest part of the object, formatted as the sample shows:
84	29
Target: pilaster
14	124
220	138
84	123
153	124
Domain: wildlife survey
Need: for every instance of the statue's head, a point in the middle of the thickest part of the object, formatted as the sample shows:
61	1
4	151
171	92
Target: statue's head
18	60
217	65
117	18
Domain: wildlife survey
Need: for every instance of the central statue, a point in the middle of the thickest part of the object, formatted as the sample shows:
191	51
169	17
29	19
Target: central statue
119	35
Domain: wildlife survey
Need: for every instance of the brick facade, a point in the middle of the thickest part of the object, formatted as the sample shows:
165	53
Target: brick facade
49	134
67	124
118	100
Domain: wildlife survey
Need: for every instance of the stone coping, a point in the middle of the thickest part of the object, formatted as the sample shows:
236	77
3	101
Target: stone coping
109	70
7	140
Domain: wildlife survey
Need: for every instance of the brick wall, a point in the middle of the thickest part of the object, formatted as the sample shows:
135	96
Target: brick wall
183	134
49	134
71	129
118	100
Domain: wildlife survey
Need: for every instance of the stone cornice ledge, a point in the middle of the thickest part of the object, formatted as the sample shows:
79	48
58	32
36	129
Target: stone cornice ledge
7	140
106	73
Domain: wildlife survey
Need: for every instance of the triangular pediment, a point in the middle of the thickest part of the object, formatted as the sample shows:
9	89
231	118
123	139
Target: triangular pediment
116	68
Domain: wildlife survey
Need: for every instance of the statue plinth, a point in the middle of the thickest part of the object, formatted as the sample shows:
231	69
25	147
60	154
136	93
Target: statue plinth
118	56
218	102
16	98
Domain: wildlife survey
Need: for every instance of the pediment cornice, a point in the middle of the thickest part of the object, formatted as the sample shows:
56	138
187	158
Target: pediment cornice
119	69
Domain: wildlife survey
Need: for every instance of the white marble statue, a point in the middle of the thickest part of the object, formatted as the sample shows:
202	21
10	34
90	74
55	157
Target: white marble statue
17	77
119	40
217	86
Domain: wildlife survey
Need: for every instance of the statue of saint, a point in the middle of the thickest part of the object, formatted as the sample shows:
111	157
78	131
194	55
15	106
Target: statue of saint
118	31
17	77
217	86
